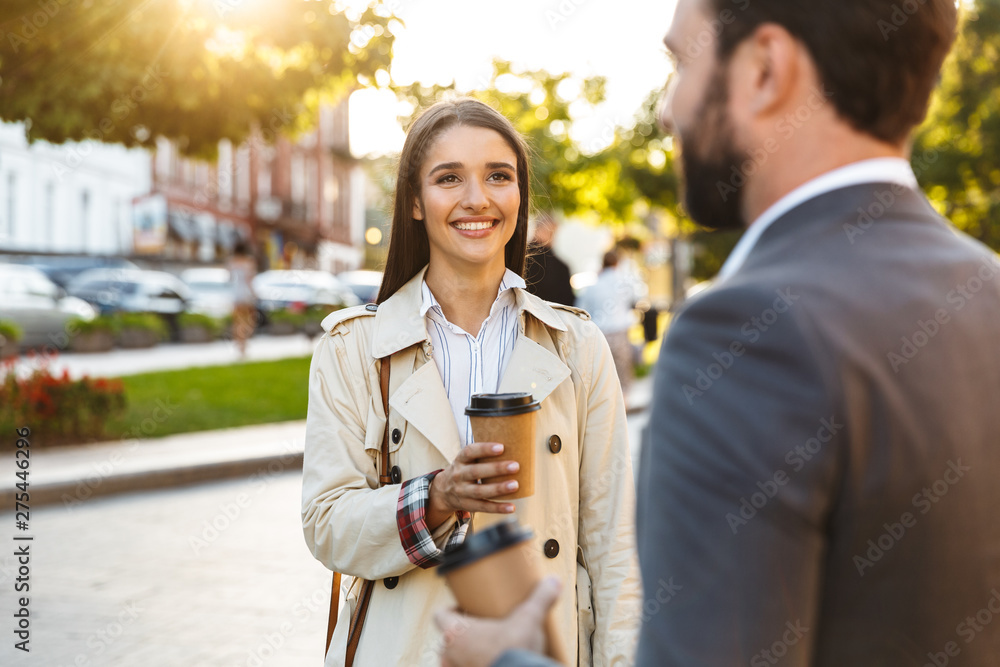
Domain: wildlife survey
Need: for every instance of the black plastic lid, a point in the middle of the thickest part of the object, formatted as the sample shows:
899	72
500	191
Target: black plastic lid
485	543
501	405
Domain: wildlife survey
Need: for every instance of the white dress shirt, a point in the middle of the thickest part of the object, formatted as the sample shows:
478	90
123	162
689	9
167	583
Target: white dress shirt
878	170
473	364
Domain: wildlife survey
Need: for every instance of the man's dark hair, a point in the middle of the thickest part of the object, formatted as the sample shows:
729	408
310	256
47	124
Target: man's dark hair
878	59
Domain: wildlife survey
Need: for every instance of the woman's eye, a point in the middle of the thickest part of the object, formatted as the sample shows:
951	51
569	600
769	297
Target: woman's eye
447	178
500	176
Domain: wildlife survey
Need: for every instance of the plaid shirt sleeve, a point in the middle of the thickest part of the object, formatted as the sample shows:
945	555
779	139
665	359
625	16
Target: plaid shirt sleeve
411	519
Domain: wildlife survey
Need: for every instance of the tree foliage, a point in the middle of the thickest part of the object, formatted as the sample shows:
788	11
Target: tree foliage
541	105
197	71
955	154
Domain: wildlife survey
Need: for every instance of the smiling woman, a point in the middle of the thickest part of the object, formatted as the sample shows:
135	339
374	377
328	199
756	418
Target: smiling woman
454	320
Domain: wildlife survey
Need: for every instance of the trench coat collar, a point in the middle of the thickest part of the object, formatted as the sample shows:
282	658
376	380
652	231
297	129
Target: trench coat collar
418	399
399	324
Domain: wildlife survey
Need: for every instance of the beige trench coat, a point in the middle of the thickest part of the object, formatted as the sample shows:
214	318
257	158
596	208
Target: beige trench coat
584	497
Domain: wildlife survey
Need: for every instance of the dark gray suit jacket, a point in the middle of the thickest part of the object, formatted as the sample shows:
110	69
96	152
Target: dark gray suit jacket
820	479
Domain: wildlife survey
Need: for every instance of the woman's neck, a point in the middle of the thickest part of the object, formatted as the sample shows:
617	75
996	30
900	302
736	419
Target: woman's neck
465	298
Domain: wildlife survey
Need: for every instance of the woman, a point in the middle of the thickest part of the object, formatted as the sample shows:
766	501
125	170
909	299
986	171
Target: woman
455	318
242	269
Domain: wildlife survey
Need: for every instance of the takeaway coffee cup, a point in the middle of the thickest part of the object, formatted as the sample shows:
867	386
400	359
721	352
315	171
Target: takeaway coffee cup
493	571
510	420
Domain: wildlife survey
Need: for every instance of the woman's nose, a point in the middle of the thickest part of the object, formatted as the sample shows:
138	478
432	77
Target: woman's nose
475	198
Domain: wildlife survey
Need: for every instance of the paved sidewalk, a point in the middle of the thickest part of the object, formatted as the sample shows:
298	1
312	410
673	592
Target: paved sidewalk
170	356
69	475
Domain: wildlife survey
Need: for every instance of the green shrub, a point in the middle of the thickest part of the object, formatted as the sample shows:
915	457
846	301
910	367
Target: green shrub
145	322
213	325
297	320
80	326
9	332
318	312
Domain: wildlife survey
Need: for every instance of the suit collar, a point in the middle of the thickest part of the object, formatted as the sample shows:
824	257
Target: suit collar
849	209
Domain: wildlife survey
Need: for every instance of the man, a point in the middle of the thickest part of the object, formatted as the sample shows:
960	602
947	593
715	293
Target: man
547	276
818	484
609	302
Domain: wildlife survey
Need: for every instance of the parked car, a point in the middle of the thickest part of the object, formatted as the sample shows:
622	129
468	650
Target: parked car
61	269
37	305
364	284
211	291
298	290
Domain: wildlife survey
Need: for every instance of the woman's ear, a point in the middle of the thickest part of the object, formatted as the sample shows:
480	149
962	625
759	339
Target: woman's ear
417	213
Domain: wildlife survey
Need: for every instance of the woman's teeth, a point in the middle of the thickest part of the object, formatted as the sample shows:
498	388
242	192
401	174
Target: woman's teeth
473	226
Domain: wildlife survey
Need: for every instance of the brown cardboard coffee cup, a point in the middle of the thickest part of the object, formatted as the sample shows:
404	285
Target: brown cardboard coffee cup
494	571
510	420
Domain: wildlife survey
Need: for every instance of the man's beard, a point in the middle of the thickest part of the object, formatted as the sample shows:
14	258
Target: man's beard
713	196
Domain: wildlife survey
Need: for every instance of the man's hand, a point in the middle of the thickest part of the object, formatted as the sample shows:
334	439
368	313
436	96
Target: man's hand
457	487
478	642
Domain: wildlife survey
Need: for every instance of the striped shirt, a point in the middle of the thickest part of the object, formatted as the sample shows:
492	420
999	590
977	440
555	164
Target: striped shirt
473	364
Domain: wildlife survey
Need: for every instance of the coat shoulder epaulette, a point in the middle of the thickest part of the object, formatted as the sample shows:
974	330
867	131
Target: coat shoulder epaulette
345	314
579	312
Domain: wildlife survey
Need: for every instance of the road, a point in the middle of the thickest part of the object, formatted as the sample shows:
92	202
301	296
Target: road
210	575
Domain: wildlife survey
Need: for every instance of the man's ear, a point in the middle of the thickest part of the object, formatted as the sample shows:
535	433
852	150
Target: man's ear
768	69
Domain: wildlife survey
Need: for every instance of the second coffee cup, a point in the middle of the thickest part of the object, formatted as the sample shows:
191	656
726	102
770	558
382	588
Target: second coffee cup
510	420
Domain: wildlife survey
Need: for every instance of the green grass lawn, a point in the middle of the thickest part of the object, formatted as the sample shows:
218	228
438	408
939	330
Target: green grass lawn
201	399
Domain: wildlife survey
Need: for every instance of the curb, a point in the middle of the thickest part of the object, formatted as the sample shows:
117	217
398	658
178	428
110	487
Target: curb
70	492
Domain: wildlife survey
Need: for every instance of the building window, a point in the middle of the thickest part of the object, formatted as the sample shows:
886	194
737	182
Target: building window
50	212
84	218
11	204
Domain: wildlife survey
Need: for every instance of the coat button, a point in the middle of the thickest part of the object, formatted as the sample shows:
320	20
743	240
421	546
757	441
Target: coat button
390	582
396	474
555	444
551	548
396	436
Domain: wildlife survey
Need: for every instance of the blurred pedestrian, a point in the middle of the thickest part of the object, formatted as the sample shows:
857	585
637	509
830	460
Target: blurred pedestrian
242	269
547	276
818	481
453	319
609	302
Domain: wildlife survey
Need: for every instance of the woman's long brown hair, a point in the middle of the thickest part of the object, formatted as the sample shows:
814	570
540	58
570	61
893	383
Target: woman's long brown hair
409	250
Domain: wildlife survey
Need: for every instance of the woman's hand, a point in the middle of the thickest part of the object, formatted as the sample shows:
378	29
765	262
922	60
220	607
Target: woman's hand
457	487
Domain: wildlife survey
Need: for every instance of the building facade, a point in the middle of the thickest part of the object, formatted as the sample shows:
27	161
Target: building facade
74	198
300	203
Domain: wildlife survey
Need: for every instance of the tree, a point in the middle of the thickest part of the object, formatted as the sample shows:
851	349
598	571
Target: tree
541	105
197	71
955	151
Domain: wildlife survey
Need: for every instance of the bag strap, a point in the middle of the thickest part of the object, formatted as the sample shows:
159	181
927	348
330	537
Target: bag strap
361	610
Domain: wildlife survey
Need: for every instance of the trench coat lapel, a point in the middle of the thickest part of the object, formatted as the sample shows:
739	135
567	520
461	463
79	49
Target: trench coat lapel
533	369
421	400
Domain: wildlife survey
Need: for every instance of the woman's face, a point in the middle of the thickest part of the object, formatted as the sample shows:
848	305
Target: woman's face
469	198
